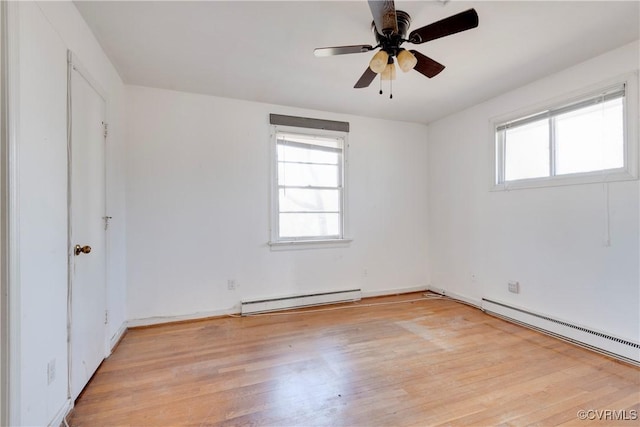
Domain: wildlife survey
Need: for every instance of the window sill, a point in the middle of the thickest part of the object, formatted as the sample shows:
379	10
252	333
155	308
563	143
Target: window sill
570	179
284	245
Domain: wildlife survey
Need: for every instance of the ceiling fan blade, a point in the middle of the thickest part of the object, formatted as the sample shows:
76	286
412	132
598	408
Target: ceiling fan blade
365	79
384	16
426	65
342	50
454	24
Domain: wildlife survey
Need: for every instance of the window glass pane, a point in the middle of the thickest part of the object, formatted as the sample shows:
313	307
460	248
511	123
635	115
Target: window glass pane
308	200
308	185
303	175
309	225
297	154
527	151
314	140
591	138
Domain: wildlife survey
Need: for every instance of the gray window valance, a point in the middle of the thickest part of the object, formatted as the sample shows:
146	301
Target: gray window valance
305	122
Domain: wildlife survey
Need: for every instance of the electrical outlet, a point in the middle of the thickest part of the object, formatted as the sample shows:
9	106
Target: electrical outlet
51	371
514	287
231	284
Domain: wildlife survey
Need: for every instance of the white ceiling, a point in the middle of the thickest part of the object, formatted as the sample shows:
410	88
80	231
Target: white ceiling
263	50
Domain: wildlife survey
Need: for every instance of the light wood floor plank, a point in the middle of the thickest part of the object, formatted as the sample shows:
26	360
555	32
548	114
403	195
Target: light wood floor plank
423	363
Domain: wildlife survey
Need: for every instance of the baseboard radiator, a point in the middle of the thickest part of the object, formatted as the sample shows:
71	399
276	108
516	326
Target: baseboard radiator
298	301
601	342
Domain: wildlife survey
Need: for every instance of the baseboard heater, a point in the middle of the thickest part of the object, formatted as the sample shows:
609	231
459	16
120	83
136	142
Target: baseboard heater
619	348
298	301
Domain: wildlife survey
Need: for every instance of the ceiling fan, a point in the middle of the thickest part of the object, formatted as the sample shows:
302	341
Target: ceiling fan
390	27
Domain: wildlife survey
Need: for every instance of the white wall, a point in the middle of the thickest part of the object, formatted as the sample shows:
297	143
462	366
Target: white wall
44	33
548	239
198	207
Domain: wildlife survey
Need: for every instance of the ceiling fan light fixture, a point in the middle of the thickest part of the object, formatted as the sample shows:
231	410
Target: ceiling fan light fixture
389	72
391	30
379	61
406	60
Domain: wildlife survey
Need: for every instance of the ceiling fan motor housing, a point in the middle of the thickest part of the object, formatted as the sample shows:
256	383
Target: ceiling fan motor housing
390	43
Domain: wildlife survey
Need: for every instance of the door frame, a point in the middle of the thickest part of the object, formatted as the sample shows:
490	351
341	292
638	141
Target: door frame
10	388
75	65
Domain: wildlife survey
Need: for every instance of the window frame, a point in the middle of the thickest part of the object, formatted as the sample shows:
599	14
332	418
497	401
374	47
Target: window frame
307	241
629	171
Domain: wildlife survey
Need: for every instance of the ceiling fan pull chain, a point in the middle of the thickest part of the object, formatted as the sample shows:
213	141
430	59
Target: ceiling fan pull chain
390	89
380	85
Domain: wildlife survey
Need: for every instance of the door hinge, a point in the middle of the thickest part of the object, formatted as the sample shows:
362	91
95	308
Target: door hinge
106	128
106	317
106	222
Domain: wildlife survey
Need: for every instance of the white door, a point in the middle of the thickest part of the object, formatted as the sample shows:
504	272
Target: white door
87	232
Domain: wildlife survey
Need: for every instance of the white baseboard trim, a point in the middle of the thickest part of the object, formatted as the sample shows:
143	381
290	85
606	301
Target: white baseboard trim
298	301
115	339
395	291
593	339
468	300
158	320
58	419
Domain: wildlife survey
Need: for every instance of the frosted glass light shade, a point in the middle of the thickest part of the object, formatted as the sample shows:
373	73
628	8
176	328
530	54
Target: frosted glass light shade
389	72
379	61
406	60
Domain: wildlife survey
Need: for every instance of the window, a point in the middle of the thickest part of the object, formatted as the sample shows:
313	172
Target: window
308	188
585	140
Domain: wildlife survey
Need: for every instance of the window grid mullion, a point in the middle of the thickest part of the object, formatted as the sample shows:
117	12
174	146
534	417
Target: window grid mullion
309	212
552	146
501	156
307	187
340	195
291	162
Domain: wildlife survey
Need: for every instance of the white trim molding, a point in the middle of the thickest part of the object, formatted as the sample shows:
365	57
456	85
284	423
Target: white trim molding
597	340
276	242
11	365
115	339
462	298
159	320
61	415
394	291
299	301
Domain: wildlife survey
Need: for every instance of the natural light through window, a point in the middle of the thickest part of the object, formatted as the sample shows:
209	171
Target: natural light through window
527	151
583	137
309	186
591	138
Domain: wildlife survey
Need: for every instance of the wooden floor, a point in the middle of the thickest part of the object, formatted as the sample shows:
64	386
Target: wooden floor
422	363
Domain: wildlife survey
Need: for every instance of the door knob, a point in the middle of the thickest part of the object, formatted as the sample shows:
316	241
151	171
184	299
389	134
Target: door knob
81	249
